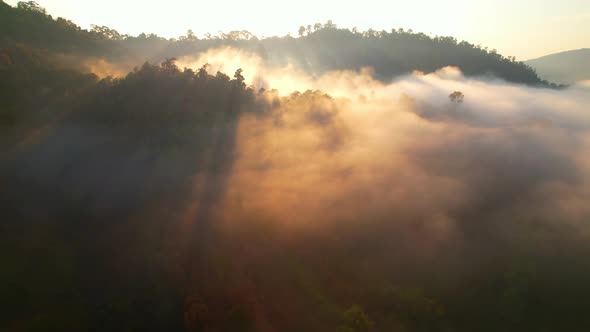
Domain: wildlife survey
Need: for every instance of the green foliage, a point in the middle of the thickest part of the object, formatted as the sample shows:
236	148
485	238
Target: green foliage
30	80
398	52
29	24
31	6
162	105
356	320
320	48
107	33
411	309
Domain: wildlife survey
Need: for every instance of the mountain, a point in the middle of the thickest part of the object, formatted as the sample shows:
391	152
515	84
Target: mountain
321	48
565	67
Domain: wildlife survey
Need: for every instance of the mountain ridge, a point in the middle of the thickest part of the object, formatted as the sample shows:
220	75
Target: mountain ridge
565	67
319	48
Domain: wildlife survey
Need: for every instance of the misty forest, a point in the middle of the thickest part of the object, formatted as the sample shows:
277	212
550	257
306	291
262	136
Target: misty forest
336	180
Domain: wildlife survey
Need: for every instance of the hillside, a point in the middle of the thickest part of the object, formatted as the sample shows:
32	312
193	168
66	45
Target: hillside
565	67
175	200
318	49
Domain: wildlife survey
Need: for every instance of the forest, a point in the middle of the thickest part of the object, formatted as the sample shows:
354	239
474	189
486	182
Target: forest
173	198
318	48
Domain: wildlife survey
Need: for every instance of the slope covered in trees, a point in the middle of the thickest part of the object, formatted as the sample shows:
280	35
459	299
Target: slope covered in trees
320	48
146	135
31	79
116	218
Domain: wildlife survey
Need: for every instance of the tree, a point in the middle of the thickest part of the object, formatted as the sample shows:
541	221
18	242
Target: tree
202	72
330	25
239	78
31	6
190	36
246	35
169	65
457	97
356	320
106	32
301	31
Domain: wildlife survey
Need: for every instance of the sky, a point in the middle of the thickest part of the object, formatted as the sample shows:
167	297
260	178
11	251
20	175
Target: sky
526	29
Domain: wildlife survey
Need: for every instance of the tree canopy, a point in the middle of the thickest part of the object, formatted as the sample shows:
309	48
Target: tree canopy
319	48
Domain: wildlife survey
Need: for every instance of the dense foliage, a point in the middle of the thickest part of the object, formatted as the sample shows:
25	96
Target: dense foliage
31	79
149	133
320	48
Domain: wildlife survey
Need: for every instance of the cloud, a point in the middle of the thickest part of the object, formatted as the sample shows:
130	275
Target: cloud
403	154
343	151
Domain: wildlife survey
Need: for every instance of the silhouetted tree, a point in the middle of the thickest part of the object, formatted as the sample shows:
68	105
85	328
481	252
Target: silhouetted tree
106	32
169	65
457	97
31	6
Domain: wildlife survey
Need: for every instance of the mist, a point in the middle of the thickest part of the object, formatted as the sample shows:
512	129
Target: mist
411	184
327	141
291	198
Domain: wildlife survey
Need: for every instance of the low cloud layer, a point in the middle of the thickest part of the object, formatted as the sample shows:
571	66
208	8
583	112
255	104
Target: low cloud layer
404	153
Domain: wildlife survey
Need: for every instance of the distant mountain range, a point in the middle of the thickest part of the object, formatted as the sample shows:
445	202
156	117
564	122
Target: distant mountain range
565	67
